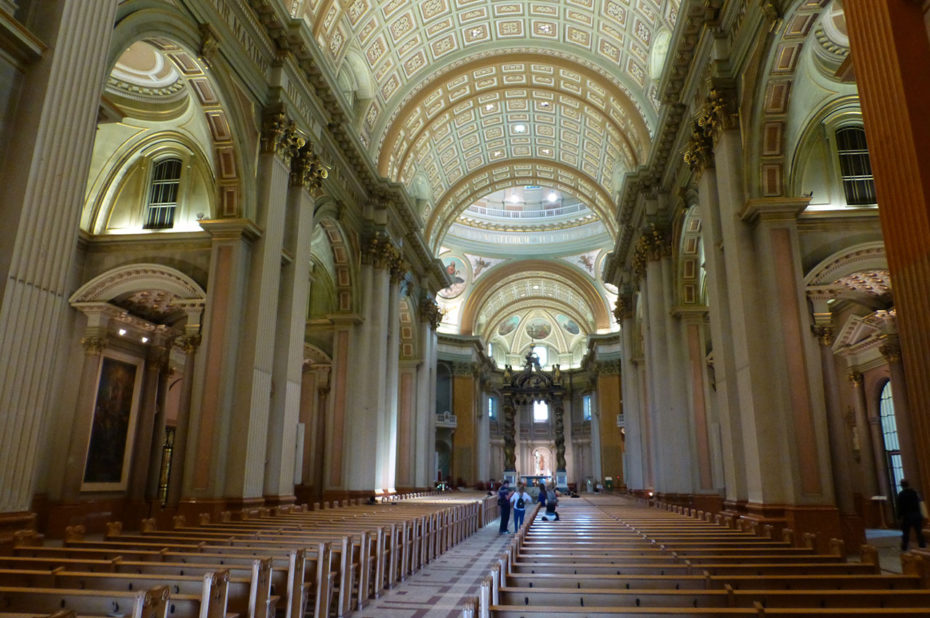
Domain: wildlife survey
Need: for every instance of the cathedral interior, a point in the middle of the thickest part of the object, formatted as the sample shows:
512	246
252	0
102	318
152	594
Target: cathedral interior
261	253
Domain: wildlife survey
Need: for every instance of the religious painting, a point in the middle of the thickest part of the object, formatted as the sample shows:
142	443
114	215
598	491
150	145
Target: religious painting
570	326
112	430
455	268
538	328
508	325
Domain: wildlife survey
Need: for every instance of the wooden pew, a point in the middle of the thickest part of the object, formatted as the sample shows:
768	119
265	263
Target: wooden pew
151	603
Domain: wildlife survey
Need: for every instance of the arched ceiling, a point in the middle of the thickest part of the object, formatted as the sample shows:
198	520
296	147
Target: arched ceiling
459	99
456	86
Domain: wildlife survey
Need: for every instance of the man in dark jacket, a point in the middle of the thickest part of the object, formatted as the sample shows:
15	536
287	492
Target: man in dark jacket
909	515
503	501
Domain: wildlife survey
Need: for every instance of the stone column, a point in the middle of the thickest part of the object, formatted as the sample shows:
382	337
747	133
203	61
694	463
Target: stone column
609	406
41	196
632	409
891	350
692	326
205	452
341	411
867	431
463	406
842	465
387	439
408	388
726	394
305	178
425	442
671	436
890	49
151	426
189	342
366	418
247	440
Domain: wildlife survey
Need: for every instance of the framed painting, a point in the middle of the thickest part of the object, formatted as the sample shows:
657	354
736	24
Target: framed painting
112	429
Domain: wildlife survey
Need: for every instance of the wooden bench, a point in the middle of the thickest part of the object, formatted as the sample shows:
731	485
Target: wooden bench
151	603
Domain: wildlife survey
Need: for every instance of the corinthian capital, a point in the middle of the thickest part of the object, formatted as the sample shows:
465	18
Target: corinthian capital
307	170
430	312
280	136
93	345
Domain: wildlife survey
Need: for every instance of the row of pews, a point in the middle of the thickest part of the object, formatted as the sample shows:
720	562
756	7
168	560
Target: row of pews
608	557
288	562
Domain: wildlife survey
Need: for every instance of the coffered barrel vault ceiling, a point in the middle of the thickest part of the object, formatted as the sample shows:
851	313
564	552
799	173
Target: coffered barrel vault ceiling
466	101
447	89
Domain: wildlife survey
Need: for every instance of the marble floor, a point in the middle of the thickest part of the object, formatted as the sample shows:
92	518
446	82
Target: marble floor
440	589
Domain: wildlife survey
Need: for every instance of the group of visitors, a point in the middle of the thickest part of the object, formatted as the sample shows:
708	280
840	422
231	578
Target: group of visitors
520	500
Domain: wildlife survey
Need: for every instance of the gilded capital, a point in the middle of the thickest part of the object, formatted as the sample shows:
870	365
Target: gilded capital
699	151
307	170
188	343
280	136
623	308
430	312
855	378
891	349
93	345
399	267
824	335
380	251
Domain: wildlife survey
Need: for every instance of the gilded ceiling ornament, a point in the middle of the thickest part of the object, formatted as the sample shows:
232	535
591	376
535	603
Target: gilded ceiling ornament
855	378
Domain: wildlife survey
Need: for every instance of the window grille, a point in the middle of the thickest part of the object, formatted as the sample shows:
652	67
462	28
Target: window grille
163	194
855	166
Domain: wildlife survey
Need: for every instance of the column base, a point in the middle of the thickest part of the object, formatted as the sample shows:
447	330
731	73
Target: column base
561	480
92	513
10	523
280	500
822	519
510	476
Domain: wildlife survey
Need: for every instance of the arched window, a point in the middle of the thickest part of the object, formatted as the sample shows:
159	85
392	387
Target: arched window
855	166
890	438
163	194
586	406
492	408
540	411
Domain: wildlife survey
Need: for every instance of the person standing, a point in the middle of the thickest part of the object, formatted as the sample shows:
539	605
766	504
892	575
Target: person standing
910	515
519	501
503	501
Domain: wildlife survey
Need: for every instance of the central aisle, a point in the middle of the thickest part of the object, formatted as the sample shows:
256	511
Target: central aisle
441	587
